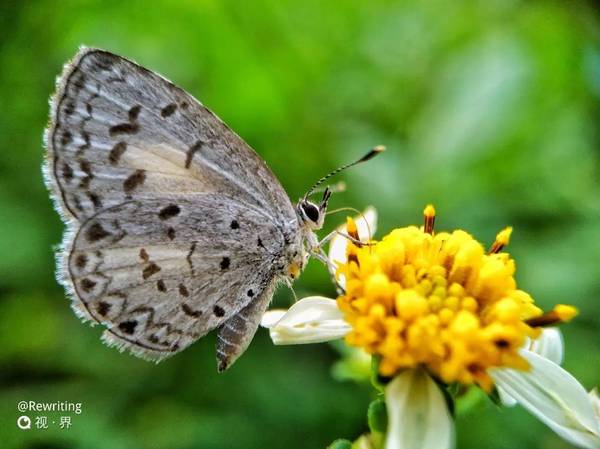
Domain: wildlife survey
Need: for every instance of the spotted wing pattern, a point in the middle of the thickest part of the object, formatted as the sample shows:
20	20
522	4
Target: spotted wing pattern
161	274
175	224
120	131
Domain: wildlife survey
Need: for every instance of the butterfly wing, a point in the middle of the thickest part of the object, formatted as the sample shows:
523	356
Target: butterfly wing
160	274
119	132
175	224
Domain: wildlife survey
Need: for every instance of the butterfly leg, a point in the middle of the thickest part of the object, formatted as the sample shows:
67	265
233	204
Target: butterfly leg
332	234
315	249
356	242
328	237
319	254
290	284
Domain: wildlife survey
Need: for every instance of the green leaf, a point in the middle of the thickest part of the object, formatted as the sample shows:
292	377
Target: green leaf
377	416
340	444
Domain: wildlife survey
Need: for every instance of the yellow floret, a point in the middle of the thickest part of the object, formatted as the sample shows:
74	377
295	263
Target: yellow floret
439	301
565	312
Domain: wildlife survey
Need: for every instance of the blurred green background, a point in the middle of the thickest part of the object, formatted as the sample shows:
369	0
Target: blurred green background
489	110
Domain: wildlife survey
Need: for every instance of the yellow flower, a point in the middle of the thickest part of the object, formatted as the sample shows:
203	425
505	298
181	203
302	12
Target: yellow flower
439	301
440	305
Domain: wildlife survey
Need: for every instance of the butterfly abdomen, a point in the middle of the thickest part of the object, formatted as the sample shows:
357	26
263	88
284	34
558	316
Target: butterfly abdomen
234	336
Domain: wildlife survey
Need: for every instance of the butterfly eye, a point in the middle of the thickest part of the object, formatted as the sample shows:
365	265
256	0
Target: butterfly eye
311	211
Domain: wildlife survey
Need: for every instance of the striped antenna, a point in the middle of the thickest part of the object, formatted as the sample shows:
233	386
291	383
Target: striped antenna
370	155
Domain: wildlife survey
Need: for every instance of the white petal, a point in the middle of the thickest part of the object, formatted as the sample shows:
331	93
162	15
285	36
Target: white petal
314	319
549	345
366	224
554	396
595	400
418	416
272	317
506	399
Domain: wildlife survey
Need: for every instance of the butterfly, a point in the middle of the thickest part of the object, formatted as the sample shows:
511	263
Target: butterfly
175	226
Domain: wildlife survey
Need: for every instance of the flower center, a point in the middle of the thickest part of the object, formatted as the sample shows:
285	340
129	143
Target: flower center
441	301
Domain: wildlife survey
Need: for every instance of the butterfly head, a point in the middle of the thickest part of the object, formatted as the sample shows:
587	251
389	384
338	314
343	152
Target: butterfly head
312	215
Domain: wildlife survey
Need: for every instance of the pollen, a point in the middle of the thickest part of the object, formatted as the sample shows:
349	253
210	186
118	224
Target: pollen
560	314
501	241
565	312
429	214
439	300
293	270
